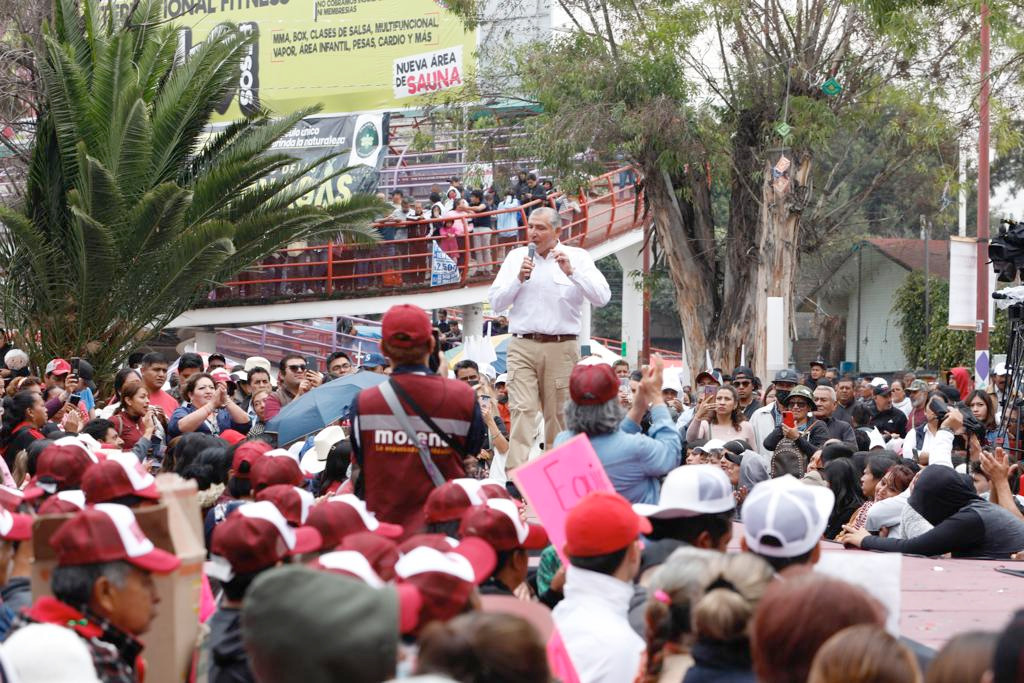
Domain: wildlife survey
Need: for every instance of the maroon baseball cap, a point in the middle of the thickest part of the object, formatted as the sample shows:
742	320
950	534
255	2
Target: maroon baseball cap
232	436
345	514
117	477
60	467
245	456
450	500
256	536
293	502
381	552
109	533
591	385
438	542
275	467
446	579
492	489
601	523
405	326
63	503
498	523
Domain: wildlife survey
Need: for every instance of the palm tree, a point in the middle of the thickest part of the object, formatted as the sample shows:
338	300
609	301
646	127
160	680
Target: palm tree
131	211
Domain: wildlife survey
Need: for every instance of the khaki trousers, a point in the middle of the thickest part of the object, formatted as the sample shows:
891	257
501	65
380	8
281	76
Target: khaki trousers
538	382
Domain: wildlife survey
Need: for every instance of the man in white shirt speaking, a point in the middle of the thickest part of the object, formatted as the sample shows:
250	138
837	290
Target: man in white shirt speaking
546	294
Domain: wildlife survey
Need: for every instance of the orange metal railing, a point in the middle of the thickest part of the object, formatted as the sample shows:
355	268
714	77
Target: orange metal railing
339	269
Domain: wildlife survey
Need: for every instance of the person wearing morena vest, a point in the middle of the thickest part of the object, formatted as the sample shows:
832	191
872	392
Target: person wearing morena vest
393	477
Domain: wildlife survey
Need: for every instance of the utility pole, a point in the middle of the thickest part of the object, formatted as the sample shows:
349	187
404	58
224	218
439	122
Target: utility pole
981	342
927	276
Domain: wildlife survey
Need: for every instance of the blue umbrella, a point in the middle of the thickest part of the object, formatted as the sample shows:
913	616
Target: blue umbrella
318	408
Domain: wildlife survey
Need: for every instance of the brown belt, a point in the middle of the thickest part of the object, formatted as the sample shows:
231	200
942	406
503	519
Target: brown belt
546	338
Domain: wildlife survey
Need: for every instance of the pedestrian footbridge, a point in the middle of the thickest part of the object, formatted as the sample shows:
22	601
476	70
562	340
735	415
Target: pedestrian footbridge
310	281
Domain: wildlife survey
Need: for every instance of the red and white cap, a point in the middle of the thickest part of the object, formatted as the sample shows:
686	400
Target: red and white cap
220	375
245	456
446	579
350	563
60	467
121	474
15	526
382	553
57	366
63	503
498	523
471	560
109	533
345	514
293	502
11	498
451	499
89	445
277	466
254	537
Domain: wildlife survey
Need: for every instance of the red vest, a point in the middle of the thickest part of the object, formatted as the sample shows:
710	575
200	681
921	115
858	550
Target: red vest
396	485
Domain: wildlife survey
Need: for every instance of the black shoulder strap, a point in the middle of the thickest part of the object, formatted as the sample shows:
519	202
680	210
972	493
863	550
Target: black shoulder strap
404	395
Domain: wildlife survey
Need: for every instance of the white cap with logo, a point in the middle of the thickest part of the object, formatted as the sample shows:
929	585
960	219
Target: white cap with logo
784	518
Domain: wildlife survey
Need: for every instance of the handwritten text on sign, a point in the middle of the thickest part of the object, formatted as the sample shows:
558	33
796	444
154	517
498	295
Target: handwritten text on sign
555	482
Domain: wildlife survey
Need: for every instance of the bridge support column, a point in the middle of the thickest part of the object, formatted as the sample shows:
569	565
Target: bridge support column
472	320
586	315
206	341
631	260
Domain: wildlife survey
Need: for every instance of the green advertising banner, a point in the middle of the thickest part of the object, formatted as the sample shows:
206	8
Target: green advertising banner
348	55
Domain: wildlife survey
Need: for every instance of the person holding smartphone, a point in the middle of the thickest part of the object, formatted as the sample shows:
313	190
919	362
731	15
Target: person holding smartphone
719	416
799	426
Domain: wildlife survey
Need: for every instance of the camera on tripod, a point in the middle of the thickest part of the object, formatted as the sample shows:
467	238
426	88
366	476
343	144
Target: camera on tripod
1006	250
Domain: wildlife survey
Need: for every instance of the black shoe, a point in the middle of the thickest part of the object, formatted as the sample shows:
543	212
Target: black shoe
513	490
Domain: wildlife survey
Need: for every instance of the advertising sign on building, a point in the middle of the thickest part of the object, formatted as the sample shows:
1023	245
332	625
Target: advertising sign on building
347	55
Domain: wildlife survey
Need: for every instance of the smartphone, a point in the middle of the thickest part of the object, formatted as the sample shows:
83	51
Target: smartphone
787	418
74	399
74	365
312	364
709	389
939	407
624	384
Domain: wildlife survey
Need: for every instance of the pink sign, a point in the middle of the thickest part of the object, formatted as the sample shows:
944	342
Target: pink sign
558	659
552	484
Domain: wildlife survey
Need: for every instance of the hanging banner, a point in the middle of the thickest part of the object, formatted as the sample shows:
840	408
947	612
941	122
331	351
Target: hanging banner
347	55
357	140
963	283
443	269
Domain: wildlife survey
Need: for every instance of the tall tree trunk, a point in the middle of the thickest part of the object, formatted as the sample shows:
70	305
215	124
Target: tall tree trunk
686	232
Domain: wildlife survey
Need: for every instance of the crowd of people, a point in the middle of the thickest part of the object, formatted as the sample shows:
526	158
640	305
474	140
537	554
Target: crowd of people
473	226
394	543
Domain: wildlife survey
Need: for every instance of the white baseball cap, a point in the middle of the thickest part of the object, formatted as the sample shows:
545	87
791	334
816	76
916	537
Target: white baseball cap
257	362
784	518
689	491
47	653
711	445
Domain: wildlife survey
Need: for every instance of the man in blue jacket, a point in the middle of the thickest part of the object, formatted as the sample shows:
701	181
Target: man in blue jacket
634	462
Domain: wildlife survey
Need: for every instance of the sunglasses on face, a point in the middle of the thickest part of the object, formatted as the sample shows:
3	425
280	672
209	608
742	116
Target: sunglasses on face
800	404
297	368
742	383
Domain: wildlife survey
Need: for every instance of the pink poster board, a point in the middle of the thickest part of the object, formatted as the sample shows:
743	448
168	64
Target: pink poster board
558	659
553	483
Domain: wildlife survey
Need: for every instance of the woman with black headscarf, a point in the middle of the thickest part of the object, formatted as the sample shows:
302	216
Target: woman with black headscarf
964	524
841	477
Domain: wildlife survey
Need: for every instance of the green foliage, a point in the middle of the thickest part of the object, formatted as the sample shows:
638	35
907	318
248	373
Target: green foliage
941	347
131	214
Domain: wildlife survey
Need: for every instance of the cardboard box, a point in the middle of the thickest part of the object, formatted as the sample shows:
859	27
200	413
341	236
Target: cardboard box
175	526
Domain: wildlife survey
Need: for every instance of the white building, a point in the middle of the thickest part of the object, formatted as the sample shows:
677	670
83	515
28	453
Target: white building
862	290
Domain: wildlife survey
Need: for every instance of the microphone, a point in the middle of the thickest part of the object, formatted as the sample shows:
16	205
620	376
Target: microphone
531	251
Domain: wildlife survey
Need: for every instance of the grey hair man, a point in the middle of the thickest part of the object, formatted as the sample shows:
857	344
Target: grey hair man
824	406
634	462
546	285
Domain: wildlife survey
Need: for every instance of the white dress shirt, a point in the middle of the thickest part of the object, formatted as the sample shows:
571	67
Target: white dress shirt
550	302
594	625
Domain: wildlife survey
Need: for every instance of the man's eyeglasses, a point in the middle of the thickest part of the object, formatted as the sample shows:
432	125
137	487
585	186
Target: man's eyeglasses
742	383
296	368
